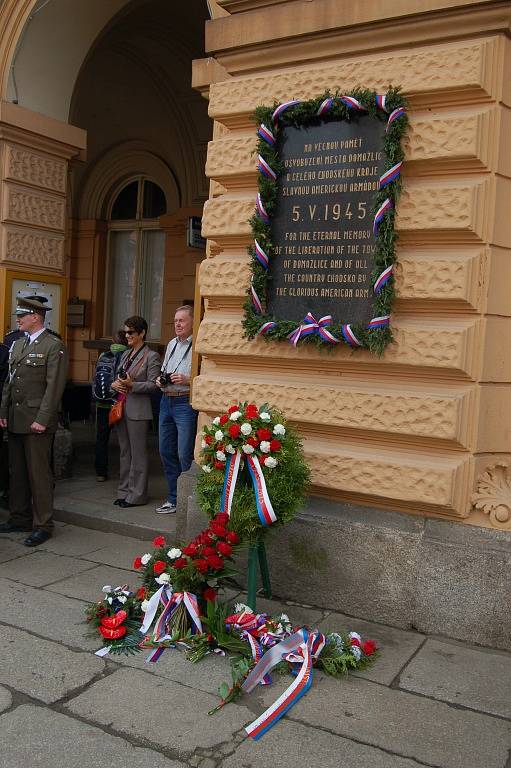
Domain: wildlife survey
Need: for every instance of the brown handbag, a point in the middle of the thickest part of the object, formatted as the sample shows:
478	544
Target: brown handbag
117	409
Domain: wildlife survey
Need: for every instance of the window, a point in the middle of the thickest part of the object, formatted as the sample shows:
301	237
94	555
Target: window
136	256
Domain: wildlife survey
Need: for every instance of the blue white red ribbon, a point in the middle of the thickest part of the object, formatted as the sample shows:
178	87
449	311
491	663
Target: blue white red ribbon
266	327
256	301
349	336
261	211
386	206
266	135
352	103
265	510
232	468
260	255
383	279
311	326
390	175
325	106
282	108
379	322
300	647
265	168
381	102
257	653
394	115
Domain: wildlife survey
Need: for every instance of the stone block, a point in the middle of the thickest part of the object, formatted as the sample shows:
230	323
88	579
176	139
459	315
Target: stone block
11	549
75	542
120	551
41	568
5	699
42	669
146	714
474	678
87	586
41	738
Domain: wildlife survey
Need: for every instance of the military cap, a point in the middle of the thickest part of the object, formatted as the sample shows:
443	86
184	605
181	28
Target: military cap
30	305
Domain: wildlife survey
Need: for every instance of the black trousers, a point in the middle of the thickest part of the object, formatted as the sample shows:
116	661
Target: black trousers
102	437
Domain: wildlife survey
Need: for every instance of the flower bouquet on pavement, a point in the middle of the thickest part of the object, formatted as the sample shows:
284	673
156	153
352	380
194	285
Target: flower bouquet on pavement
116	619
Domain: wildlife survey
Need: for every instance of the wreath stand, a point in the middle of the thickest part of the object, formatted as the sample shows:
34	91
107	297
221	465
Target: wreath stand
257	554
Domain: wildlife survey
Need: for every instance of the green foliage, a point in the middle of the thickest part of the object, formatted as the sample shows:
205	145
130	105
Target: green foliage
375	339
337	659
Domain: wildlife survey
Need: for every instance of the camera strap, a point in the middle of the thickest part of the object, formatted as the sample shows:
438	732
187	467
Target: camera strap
167	361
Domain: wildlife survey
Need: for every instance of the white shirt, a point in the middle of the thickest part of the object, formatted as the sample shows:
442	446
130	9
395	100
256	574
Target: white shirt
178	359
34	336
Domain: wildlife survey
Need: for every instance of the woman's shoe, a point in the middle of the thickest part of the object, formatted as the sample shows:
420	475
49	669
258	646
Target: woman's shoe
124	504
118	502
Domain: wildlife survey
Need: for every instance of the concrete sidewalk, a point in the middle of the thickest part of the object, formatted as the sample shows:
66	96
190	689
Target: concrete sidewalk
426	702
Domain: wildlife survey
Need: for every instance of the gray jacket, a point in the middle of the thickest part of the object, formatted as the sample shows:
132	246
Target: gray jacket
138	400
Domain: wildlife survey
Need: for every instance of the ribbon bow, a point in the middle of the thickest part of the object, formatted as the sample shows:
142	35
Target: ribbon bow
264	506
169	601
310	326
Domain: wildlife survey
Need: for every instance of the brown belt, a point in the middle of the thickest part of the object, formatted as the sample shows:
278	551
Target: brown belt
176	394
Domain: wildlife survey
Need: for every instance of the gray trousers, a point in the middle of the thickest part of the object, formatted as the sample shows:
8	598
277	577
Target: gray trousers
31	486
133	460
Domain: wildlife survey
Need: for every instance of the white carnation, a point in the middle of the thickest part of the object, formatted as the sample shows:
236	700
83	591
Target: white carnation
264	446
107	588
219	434
216	421
230	448
248	449
220	456
355	636
235	415
242	608
162	579
206	468
246	429
270	462
279	429
264	416
357	653
203	444
145	605
173	553
145	558
122	599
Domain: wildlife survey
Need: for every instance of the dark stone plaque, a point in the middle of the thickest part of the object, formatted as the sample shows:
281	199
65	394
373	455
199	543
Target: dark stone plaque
323	225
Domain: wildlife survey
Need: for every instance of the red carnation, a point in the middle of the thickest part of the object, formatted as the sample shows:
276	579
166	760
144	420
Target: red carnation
355	641
208	439
208	551
159	567
218	530
222	518
275	445
219	465
215	562
209	594
264	434
224	418
207	537
140	594
369	647
251	411
201	565
159	541
181	562
232	409
190	550
232	537
224	548
137	562
234	430
253	442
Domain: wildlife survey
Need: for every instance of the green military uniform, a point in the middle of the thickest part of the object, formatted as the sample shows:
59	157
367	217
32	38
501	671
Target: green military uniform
32	393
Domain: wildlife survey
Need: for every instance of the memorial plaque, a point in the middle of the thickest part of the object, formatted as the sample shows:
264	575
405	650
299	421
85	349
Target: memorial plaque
322	229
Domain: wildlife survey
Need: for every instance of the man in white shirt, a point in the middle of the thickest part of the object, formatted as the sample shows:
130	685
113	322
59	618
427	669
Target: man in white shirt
178	420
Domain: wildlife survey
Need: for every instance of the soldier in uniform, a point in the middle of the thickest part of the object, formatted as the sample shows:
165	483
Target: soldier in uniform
30	402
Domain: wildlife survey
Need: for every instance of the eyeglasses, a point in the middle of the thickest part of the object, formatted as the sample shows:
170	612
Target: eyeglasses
131	333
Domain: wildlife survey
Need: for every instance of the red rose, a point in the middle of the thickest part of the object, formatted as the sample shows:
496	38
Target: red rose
137	562
215	562
219	465
369	647
208	439
251	411
208	551
355	641
224	548
222	518
181	562
201	565
190	550
232	409
159	567
140	594
275	445
253	442
234	430
113	634
159	541
264	434
209	594
232	537
224	418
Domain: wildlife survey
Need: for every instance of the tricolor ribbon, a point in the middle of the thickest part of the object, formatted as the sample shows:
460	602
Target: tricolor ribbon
261	211
325	106
300	648
349	336
266	327
383	279
394	115
232	468
256	301
282	108
260	255
381	102
390	175
265	168
352	103
170	602
257	653
386	206
379	322
266	135
264	506
311	326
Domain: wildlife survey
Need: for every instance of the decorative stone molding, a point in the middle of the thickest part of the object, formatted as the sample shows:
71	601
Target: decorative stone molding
29	207
493	495
34	249
35	169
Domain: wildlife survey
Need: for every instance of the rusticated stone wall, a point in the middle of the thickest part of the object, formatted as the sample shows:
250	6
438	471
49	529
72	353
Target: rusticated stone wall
413	429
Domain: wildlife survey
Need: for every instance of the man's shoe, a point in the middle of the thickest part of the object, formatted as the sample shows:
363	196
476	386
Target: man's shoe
117	502
37	537
167	508
101	478
12	528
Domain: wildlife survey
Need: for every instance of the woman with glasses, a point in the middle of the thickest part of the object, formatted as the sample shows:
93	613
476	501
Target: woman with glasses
138	370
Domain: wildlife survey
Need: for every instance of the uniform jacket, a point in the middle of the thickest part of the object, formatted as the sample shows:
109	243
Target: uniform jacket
37	377
137	405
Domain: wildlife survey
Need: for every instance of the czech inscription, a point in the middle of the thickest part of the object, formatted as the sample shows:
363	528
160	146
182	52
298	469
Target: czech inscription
323	225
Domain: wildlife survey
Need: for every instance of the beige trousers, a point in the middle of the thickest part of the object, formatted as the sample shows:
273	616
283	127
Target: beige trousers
133	460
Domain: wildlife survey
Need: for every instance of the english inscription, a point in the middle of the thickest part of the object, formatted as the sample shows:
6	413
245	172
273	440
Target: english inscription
323	225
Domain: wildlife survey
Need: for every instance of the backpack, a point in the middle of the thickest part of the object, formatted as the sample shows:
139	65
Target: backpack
104	376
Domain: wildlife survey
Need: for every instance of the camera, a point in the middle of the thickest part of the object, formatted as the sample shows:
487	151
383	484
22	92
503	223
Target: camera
121	374
165	378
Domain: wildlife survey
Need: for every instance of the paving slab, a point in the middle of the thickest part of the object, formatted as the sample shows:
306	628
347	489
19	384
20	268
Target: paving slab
120	551
43	669
396	645
476	678
88	585
45	613
290	745
73	541
11	549
34	737
5	699
164	712
412	726
42	568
